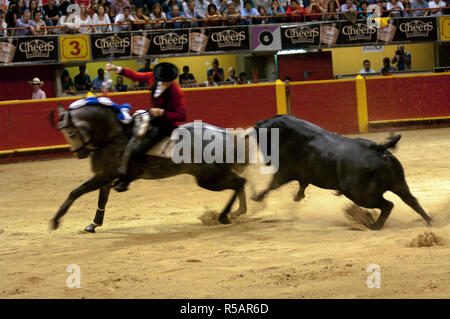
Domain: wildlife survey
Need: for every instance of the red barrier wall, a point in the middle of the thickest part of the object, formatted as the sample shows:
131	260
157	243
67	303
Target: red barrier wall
330	104
404	97
25	125
231	107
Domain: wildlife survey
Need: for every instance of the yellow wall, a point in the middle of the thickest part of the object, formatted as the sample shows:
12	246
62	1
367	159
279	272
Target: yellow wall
350	60
197	64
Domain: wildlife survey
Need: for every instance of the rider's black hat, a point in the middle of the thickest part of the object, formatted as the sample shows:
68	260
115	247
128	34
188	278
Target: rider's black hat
165	72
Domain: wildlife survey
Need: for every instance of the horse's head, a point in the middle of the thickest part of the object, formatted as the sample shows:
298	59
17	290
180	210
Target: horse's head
76	131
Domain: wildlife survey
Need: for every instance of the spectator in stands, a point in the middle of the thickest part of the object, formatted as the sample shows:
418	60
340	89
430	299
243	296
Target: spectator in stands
51	13
191	13
70	23
276	10
248	12
33	7
294	12
402	58
82	80
63	5
3	26
142	18
395	8
27	23
210	81
212	16
86	3
348	6
85	19
362	9
38	94
221	5
242	79
97	83
159	16
101	17
168	4
145	69
186	77
366	68
175	18
231	75
119	86
202	6
407	12
14	13
315	10
124	20
262	13
231	14
118	6
107	5
40	24
285	4
333	6
216	71
387	67
238	4
67	84
381	5
435	6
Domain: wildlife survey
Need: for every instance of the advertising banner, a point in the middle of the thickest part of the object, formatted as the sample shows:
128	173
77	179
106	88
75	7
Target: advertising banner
300	36
266	38
74	48
219	39
28	49
444	23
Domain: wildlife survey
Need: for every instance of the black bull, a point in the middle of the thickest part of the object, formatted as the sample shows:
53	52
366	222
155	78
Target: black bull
360	169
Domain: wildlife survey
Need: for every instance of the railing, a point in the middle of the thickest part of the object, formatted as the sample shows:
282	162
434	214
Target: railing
239	20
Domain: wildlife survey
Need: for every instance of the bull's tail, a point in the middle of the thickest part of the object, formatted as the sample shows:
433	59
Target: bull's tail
392	142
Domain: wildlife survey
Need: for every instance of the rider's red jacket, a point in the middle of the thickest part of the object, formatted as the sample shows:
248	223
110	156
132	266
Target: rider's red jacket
171	100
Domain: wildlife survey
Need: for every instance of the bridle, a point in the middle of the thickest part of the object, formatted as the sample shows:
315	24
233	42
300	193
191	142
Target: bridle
86	141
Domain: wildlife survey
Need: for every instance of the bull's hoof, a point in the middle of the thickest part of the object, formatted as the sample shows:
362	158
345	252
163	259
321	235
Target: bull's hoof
54	224
224	220
90	228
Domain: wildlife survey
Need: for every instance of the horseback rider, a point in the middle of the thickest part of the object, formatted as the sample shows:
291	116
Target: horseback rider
168	109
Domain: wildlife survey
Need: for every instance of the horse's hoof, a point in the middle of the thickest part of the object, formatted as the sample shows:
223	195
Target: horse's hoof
90	228
54	224
256	198
120	188
298	198
376	227
224	220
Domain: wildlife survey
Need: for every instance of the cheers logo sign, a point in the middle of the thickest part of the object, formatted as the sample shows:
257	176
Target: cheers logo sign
228	38
171	41
304	34
113	44
359	31
37	48
416	28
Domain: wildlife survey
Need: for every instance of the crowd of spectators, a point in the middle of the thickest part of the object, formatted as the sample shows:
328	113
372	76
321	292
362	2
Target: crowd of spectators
34	15
82	82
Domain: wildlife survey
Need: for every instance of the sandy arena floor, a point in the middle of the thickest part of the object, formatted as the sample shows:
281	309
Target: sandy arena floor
153	245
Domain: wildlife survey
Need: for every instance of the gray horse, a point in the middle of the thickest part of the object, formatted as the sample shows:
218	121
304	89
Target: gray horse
94	130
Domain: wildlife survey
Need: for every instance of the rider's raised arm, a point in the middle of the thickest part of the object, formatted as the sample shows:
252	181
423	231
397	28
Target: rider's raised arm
138	76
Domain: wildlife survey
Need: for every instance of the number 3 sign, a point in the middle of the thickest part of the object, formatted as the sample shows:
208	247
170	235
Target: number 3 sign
74	48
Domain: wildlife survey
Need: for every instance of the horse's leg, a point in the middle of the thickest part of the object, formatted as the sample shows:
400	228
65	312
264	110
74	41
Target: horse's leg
91	185
100	213
242	209
218	182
